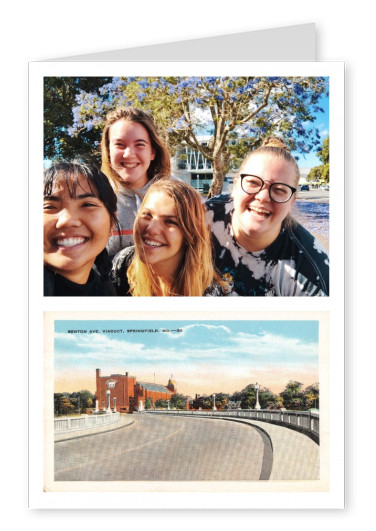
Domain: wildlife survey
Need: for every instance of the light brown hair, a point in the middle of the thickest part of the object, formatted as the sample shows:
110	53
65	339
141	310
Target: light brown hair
159	168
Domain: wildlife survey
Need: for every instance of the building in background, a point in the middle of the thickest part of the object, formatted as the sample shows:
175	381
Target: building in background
126	394
189	165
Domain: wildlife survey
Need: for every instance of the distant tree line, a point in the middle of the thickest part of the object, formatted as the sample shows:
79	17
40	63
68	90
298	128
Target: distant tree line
177	401
293	397
73	403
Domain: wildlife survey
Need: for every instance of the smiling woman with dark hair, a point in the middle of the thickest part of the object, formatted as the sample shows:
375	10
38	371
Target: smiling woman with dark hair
259	248
79	213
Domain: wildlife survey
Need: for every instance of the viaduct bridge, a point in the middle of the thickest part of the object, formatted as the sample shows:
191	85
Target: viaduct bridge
172	445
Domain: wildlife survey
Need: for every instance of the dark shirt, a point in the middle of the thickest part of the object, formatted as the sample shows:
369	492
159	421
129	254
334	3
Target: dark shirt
295	264
59	286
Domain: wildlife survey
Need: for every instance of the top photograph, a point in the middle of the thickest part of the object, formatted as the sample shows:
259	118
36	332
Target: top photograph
186	186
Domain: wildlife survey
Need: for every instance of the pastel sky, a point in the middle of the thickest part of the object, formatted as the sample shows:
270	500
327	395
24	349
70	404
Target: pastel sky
203	357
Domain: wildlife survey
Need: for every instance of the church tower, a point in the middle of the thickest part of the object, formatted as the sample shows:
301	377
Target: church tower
172	385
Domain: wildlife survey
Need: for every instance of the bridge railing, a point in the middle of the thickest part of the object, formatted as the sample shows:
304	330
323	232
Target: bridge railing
307	422
67	424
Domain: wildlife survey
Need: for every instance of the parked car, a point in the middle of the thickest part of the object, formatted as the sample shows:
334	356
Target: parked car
304	188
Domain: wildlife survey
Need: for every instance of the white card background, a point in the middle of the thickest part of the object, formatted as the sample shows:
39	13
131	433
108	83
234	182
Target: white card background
41	30
332	305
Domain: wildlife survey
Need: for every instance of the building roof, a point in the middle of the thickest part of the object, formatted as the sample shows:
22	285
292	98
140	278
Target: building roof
155	387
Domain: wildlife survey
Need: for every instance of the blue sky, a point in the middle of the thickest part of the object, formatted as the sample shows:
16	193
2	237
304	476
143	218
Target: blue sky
309	160
203	357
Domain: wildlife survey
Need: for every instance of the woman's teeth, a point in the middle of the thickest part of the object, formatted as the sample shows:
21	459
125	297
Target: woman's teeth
260	211
69	242
153	244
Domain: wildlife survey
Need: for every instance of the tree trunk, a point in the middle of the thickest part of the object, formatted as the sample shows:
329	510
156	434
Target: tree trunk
220	167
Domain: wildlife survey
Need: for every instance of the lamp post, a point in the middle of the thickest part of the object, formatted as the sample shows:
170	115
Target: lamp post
110	384
108	409
257	387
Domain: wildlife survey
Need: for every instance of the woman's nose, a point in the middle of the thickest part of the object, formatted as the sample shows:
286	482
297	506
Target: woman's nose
153	226
263	193
67	217
127	152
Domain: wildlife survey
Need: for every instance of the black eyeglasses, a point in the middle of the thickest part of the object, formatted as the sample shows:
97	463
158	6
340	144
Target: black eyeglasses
278	192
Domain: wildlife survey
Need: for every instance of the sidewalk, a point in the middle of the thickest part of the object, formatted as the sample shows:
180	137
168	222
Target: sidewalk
295	456
125	420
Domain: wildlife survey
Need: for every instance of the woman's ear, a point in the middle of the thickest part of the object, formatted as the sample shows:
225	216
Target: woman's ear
233	187
113	223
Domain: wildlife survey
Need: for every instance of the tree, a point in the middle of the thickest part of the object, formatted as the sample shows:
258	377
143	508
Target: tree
62	404
293	396
247	397
276	404
266	398
148	403
236	112
178	401
221	400
315	174
321	172
162	404
312	396
248	400
59	98
82	400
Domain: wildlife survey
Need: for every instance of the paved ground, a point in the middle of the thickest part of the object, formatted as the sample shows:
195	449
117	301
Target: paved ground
295	456
311	209
179	449
164	449
316	196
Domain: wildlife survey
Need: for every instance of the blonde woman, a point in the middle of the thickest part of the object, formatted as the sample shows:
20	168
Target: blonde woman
133	157
259	248
172	255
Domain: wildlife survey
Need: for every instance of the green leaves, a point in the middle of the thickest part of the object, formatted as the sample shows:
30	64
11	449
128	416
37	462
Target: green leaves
236	111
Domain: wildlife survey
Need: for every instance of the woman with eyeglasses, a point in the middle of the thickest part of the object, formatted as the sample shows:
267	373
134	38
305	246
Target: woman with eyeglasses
260	249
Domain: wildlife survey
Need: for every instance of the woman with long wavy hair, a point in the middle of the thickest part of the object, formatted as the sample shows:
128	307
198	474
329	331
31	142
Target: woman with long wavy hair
134	156
172	255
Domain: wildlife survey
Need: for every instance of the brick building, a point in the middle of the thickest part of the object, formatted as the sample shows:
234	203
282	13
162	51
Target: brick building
126	394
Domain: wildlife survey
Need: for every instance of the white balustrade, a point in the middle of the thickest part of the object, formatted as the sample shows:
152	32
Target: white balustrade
68	424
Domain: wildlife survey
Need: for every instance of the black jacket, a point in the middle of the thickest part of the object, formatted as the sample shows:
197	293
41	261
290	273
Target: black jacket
59	286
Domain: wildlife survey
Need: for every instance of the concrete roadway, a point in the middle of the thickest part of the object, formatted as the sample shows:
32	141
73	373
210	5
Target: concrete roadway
166	449
314	195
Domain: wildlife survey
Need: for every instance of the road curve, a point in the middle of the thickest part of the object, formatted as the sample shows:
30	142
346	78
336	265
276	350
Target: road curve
165	448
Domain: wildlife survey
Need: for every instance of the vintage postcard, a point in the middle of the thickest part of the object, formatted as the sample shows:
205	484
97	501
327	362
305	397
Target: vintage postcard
197	403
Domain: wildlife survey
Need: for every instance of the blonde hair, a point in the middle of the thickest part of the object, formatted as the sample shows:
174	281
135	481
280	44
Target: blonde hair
196	272
159	168
276	148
